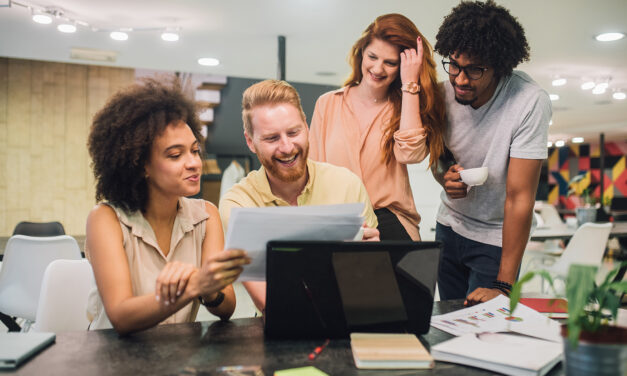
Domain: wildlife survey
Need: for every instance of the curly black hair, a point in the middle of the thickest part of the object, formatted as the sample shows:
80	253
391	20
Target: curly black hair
122	135
484	30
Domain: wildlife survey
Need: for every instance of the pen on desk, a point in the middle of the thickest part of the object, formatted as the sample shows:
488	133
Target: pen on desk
318	350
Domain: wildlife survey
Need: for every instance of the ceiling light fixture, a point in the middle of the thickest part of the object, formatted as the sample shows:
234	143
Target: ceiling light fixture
551	122
66	28
588	85
620	95
549	144
609	37
170	35
208	61
577	140
118	35
558	82
599	90
559	143
554	97
41	17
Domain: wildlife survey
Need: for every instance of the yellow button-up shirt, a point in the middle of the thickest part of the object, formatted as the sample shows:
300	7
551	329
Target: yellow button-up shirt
327	185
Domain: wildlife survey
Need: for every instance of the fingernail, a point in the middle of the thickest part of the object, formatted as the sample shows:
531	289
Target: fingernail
157	297
178	293
167	303
172	300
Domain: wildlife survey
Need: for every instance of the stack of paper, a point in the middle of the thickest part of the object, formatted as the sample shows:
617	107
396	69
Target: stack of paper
523	343
389	351
251	229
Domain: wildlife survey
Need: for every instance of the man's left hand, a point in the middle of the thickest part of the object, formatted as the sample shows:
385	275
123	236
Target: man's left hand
480	295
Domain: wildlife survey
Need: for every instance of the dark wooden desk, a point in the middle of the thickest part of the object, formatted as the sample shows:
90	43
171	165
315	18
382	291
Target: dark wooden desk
201	348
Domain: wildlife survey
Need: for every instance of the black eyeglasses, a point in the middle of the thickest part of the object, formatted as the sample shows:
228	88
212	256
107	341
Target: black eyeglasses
473	72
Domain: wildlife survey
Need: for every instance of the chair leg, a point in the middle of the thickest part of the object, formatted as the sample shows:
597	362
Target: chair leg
10	323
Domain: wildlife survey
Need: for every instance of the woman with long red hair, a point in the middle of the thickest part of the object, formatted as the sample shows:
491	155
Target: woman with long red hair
388	114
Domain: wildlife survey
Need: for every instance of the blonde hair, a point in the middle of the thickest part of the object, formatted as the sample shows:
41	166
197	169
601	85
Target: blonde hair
265	93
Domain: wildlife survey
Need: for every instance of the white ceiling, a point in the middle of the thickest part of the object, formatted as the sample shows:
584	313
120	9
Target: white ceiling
243	36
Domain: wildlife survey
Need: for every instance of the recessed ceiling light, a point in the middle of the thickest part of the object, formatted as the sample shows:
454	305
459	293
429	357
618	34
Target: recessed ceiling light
551	122
559	143
66	28
549	144
118	35
599	89
558	82
609	37
41	18
208	61
577	140
170	35
619	95
588	85
554	97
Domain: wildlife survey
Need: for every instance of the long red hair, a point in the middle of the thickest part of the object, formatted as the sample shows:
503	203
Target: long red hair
399	31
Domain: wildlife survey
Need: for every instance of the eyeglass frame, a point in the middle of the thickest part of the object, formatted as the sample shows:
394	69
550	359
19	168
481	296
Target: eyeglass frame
464	68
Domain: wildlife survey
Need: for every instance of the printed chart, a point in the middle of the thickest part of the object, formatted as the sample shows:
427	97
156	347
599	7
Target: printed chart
494	316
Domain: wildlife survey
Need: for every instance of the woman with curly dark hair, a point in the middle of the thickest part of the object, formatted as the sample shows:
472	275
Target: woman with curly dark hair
390	113
497	118
156	254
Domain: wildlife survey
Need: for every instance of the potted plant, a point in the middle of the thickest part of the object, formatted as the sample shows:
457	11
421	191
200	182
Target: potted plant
591	345
586	210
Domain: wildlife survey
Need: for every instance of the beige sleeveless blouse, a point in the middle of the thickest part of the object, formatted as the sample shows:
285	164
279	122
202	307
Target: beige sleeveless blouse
146	260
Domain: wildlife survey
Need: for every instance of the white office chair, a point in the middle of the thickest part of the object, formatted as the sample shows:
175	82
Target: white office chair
25	261
63	300
550	216
586	247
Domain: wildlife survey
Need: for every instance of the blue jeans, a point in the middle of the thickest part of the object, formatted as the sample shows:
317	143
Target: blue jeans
464	264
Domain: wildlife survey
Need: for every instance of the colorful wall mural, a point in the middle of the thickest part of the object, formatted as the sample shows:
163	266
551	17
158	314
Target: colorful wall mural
583	160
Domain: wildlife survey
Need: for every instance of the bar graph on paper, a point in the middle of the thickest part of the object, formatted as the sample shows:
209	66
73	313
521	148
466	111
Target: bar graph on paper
494	316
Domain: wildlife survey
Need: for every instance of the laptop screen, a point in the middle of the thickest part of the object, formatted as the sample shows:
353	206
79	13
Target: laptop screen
329	289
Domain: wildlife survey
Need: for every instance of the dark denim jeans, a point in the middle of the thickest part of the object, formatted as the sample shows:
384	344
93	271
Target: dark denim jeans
464	264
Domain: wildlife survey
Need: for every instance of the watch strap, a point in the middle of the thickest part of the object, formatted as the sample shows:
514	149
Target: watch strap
212	303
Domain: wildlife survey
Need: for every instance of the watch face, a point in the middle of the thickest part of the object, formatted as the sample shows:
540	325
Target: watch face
411	87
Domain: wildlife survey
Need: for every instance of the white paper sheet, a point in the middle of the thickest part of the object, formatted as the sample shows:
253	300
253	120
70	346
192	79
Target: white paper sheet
251	229
493	316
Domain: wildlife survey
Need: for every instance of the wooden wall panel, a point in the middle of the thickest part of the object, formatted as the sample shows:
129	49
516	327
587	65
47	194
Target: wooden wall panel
46	110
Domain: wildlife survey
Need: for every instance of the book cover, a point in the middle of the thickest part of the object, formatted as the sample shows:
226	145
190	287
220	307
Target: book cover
507	353
389	351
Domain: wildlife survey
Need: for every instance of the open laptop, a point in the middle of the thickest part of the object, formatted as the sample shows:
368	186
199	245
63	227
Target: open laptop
325	289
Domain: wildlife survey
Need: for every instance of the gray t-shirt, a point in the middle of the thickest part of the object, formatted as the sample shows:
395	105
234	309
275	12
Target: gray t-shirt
513	123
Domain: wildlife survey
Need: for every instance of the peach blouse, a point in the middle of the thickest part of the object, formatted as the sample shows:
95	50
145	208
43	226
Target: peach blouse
335	137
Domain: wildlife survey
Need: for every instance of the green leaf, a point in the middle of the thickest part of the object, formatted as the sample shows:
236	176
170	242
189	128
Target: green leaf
514	295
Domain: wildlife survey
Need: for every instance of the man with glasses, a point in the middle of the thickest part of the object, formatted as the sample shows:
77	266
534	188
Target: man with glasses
496	118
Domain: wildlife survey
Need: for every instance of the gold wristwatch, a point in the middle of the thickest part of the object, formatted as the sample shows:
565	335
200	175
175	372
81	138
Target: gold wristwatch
411	87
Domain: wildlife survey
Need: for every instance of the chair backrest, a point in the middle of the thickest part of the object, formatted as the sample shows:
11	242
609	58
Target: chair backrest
586	247
39	229
63	301
550	215
25	261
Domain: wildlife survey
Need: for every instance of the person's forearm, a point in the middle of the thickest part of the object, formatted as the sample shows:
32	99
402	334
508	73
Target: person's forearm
516	227
410	112
142	312
227	307
438	172
257	292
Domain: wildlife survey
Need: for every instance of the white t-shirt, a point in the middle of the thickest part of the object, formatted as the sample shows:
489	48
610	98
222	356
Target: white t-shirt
513	123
